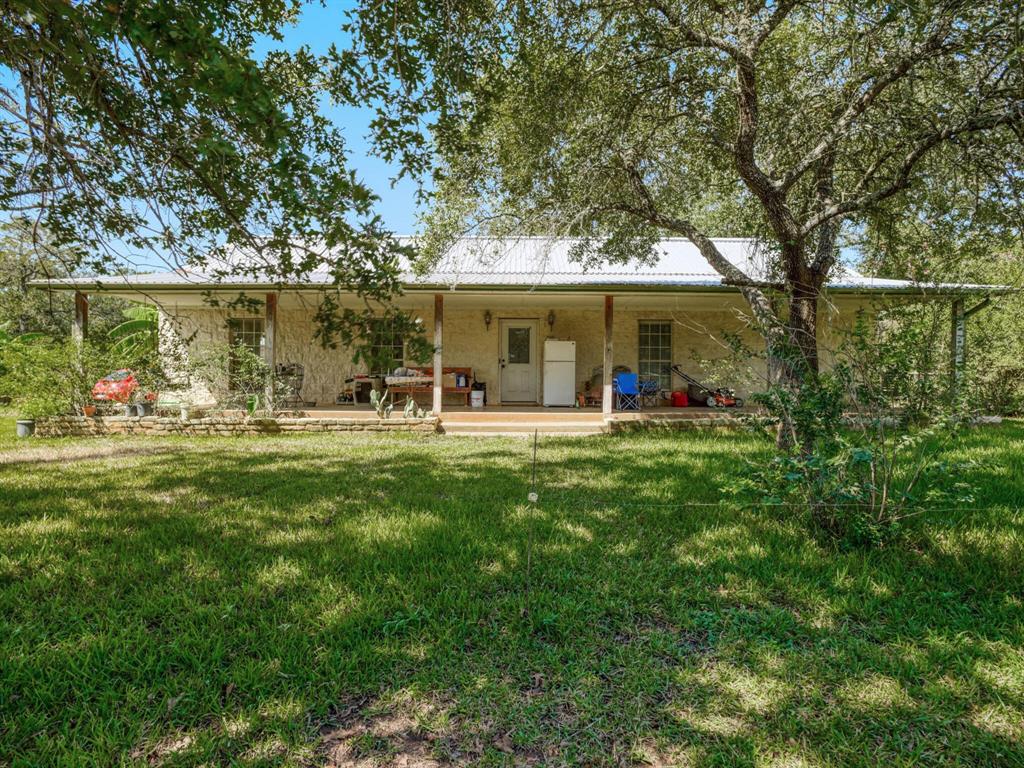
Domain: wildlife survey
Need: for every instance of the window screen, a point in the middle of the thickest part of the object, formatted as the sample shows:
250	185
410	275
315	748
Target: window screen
656	352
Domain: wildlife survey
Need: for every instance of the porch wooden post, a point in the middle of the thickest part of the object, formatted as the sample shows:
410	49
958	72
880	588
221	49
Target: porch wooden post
270	330
606	394
269	340
957	345
80	330
438	340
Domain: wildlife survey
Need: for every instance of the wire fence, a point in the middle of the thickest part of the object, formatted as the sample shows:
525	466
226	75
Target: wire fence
578	496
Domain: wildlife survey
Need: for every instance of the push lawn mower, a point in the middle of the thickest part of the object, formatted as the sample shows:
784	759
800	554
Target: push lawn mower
715	398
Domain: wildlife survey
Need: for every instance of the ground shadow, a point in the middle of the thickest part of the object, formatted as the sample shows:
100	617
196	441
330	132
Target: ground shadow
278	601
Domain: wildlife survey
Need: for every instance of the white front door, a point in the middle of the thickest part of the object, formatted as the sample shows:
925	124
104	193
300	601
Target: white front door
518	361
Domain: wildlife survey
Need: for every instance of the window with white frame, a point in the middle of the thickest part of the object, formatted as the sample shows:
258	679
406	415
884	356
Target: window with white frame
387	349
247	332
655	358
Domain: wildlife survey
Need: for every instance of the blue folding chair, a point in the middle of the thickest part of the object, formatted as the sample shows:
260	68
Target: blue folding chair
626	387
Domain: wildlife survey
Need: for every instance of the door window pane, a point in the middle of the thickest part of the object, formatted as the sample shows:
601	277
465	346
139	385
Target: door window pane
656	352
519	345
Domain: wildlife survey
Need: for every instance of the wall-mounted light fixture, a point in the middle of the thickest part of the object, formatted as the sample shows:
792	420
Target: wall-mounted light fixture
487	318
551	319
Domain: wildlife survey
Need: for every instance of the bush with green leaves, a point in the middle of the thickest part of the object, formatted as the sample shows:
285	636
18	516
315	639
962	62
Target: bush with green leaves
139	332
875	427
236	377
43	377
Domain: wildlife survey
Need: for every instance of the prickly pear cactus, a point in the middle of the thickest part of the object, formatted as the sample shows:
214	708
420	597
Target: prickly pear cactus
412	410
381	404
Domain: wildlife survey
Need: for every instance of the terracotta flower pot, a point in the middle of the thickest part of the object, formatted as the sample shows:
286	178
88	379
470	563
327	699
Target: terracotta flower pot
89	410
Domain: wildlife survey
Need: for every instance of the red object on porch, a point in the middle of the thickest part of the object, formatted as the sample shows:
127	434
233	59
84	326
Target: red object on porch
680	400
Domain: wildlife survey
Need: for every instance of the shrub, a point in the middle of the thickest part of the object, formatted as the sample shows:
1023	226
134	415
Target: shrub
43	377
235	376
874	429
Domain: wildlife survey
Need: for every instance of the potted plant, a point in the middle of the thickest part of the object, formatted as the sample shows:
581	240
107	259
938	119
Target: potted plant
31	407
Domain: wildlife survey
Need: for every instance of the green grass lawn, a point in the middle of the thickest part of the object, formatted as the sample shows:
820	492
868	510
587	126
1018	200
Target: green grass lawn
352	600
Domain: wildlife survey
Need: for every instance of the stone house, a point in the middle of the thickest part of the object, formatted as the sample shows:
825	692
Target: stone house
490	305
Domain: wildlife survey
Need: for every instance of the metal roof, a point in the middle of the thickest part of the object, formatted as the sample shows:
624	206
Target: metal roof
528	263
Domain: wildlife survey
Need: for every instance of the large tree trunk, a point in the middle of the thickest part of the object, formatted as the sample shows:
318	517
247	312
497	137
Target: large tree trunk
802	327
800	357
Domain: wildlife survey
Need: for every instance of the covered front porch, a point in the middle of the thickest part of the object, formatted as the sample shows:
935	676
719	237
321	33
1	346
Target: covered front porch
530	352
511	344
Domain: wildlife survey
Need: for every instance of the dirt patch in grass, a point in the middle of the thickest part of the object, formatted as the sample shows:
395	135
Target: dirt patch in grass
389	738
164	750
667	638
408	735
359	734
84	451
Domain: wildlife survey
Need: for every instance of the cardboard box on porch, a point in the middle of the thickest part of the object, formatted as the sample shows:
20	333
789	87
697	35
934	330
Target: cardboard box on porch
448	380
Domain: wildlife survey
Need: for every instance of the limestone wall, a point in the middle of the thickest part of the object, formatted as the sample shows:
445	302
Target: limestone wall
83	426
697	336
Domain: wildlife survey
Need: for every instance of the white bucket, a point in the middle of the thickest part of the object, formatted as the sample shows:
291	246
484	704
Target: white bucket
476	399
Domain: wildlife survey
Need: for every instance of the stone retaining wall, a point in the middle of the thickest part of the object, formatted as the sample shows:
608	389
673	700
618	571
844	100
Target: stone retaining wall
655	424
82	426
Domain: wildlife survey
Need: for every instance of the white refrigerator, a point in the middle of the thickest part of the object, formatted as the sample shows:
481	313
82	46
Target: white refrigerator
559	372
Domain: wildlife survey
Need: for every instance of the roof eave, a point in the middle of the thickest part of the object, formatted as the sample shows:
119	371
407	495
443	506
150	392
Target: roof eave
593	288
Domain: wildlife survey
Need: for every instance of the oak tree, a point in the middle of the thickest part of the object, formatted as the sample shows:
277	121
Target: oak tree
790	121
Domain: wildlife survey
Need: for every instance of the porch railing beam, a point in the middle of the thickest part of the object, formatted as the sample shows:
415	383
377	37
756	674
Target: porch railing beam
957	344
438	364
958	341
270	330
606	393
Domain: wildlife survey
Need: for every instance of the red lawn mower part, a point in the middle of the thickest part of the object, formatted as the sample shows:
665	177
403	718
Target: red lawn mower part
714	398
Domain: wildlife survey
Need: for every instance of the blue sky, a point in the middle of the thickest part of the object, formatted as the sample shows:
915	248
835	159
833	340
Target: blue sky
317	28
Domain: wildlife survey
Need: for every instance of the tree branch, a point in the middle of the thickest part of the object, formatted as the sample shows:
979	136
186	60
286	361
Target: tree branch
825	251
902	178
841	127
778	212
778	16
751	290
693	36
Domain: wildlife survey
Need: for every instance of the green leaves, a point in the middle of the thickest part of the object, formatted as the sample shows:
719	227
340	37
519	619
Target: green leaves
164	133
138	334
874	437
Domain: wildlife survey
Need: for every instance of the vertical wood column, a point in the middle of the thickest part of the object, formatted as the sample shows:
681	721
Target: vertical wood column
269	343
80	330
606	394
957	345
270	330
438	341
